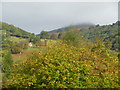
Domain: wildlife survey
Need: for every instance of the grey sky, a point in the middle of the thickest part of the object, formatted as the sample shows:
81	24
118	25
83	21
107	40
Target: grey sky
35	17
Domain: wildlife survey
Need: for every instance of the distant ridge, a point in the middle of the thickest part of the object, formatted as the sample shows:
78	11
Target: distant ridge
63	29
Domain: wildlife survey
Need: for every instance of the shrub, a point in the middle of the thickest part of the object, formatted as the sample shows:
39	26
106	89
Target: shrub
15	49
23	44
65	66
71	37
7	62
54	36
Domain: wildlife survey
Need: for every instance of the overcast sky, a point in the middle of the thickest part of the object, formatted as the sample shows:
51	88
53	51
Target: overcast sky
35	17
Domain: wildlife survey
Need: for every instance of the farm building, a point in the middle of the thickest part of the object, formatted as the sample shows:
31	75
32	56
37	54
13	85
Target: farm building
30	44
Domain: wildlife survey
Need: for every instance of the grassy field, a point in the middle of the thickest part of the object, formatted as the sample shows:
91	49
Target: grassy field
49	42
15	39
24	54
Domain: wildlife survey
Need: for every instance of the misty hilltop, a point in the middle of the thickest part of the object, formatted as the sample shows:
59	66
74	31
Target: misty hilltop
88	31
80	26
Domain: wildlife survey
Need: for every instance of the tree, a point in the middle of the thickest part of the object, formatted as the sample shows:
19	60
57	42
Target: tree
53	36
97	25
23	44
44	35
15	49
59	35
71	37
33	38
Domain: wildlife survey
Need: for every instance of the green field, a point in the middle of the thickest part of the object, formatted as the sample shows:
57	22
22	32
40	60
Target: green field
24	54
15	39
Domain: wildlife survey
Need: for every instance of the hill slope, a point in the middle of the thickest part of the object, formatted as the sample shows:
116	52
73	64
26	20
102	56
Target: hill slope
91	32
11	30
106	33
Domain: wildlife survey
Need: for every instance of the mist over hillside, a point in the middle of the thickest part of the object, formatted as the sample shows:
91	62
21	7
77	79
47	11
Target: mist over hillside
81	25
88	31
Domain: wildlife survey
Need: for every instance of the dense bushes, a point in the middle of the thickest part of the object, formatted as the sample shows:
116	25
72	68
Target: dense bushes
18	47
65	66
23	44
7	62
15	49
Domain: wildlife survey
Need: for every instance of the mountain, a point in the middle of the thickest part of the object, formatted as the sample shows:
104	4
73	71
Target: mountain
63	29
91	32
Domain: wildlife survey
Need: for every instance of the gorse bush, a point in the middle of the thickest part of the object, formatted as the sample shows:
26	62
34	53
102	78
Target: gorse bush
65	66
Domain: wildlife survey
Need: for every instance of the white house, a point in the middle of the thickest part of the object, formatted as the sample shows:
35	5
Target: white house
30	44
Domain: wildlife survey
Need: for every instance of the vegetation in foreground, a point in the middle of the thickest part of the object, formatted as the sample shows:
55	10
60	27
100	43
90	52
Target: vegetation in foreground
64	66
70	62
